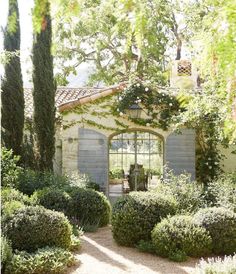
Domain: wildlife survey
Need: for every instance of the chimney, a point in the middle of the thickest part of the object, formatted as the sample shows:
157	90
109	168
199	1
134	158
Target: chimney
183	75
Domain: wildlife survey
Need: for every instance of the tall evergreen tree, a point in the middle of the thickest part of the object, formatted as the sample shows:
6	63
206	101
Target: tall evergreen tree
44	86
12	85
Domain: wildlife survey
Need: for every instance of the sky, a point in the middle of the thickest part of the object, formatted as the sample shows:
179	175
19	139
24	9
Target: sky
25	7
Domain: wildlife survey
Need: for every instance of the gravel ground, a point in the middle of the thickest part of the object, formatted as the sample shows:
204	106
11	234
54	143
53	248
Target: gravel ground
101	255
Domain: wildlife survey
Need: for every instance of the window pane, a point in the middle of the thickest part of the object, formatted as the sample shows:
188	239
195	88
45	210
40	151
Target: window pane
128	159
115	161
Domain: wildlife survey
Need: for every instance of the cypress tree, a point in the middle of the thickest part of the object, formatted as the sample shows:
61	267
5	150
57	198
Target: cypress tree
44	86
12	95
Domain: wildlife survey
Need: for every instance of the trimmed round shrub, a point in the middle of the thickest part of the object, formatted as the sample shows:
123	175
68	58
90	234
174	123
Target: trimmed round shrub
52	198
135	215
89	207
6	252
30	228
179	234
221	225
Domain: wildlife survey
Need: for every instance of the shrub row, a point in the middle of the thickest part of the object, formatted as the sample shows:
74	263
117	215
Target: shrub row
140	216
85	207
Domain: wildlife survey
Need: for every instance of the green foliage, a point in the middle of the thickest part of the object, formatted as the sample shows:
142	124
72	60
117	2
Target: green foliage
8	208
12	200
75	243
145	246
126	39
178	256
160	106
135	215
204	114
11	194
12	96
213	25
88	207
176	236
226	265
188	194
44	88
116	173
52	198
6	252
221	225
9	169
30	228
50	260
31	180
222	192
93	186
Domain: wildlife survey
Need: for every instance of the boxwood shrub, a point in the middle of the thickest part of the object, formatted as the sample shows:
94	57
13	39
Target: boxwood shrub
135	215
221	224
30	228
180	234
89	207
52	198
50	260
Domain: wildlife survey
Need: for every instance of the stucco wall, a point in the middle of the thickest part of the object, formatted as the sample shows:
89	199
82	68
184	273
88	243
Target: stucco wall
76	151
228	164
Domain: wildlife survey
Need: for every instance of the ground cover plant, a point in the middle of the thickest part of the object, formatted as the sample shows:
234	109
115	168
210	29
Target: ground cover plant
135	215
226	265
50	260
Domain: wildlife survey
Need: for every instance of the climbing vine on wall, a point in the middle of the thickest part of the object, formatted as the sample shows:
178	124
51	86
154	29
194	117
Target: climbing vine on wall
160	109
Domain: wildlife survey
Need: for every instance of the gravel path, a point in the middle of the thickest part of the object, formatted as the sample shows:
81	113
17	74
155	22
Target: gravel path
101	255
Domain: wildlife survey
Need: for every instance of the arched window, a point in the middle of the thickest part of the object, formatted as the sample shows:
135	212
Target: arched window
136	150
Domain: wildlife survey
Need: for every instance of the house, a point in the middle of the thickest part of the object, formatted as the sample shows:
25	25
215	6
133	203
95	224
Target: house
113	150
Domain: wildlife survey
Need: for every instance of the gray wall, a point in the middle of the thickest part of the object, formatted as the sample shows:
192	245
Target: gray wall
180	152
93	156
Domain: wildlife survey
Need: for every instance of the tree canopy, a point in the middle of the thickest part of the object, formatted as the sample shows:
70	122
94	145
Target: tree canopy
121	39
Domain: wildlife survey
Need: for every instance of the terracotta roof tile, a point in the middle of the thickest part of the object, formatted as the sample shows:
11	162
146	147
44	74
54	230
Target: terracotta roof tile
67	96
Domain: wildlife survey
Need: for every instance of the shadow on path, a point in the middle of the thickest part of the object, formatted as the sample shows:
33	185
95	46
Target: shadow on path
101	255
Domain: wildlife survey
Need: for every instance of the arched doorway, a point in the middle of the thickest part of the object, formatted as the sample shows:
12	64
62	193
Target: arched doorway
135	160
